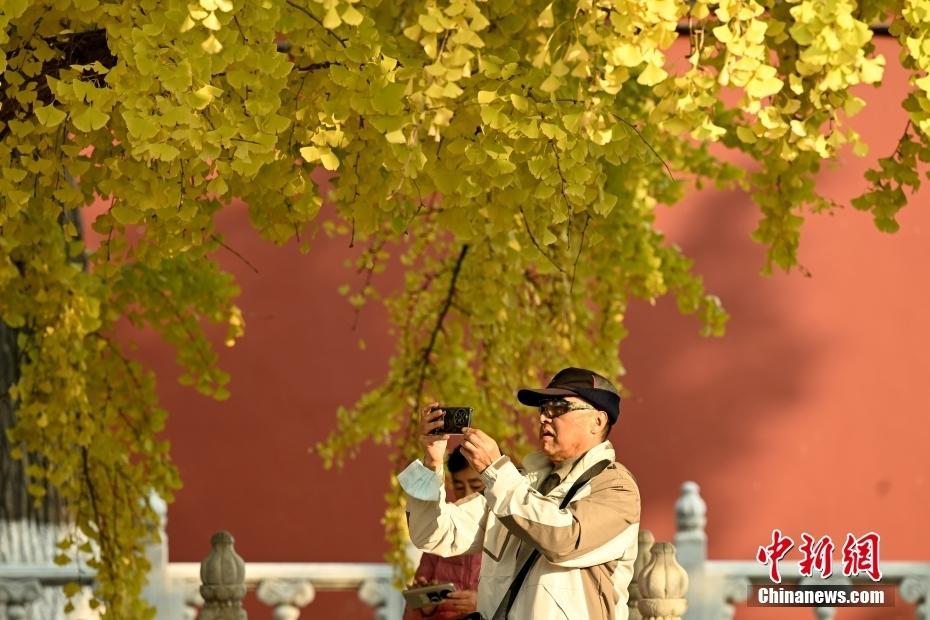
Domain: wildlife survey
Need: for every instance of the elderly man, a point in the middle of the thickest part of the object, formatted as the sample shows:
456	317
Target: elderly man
558	540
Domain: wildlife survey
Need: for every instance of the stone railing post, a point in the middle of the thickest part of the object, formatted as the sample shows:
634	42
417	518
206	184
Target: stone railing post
222	575
691	518
16	595
159	591
286	596
644	544
662	585
916	590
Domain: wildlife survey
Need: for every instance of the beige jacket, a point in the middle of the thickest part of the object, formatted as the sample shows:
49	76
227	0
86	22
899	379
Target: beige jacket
587	550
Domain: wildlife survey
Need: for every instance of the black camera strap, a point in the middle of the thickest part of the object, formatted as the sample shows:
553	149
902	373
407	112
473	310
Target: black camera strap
511	595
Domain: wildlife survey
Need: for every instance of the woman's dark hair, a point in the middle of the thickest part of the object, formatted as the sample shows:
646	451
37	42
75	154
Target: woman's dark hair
456	461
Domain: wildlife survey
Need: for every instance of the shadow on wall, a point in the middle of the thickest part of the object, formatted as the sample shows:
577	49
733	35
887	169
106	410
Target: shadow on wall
690	395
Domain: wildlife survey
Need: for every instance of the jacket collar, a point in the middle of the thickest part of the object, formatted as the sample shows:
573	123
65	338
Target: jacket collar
538	465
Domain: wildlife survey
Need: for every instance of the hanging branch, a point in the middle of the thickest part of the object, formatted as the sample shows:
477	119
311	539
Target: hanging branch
235	253
428	349
526	225
584	229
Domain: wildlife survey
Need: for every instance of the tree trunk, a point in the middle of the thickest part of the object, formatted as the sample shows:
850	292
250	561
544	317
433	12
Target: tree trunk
15	502
29	528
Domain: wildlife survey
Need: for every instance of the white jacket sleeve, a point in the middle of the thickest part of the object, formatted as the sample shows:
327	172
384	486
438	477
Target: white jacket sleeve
435	525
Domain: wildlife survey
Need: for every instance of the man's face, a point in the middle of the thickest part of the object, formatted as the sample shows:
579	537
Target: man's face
466	482
569	435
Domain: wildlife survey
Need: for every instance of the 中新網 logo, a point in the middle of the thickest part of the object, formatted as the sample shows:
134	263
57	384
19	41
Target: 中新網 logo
860	555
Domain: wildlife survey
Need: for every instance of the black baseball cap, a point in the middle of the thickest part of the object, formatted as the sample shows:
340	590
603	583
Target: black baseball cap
585	384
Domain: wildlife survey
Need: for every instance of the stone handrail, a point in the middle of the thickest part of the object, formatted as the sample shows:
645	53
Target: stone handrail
285	586
324	575
670	581
50	575
22	585
290	586
223	578
659	593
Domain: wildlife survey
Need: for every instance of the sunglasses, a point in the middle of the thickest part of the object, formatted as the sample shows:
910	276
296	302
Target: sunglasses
555	408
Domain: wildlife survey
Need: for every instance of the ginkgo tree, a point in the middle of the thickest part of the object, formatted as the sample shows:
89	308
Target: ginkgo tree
516	148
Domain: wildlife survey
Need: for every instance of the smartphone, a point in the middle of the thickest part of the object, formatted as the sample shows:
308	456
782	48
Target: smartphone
428	595
454	419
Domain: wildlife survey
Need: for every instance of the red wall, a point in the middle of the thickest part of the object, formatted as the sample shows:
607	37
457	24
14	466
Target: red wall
810	415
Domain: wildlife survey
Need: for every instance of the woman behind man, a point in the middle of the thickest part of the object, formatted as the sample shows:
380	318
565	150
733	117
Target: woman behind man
462	570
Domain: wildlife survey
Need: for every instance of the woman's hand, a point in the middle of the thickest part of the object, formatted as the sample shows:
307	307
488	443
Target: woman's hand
420	582
462	601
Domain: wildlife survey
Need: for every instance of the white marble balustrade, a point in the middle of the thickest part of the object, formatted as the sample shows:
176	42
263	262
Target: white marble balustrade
672	581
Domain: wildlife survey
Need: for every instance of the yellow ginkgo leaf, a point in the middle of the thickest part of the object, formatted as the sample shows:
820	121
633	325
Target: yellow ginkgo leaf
329	160
332	19
626	55
211	22
310	153
550	84
205	95
723	34
486	96
395	137
746	134
352	16
212	45
651	75
760	87
89	118
49	115
546	19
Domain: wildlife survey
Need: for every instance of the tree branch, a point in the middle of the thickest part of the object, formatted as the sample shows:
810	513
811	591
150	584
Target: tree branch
235	253
587	220
526	225
428	349
307	12
646	142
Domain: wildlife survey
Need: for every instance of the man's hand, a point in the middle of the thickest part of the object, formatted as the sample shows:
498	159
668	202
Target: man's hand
462	601
479	449
434	445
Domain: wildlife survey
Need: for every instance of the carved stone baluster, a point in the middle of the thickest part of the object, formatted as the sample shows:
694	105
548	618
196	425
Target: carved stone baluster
387	601
735	591
916	590
286	596
691	518
16	595
222	574
663	585
644	543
